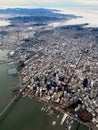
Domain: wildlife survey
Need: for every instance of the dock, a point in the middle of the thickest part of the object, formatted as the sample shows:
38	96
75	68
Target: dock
63	119
5	61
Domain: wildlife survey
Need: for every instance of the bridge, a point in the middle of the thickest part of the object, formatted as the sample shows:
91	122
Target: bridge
13	101
8	107
11	104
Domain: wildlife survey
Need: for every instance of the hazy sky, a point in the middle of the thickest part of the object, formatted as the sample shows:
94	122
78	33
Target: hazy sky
50	3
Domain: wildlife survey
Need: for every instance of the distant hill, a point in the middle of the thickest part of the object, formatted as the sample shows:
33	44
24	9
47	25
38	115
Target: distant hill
37	11
40	15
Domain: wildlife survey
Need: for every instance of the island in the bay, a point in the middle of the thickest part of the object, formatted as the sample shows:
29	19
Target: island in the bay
57	64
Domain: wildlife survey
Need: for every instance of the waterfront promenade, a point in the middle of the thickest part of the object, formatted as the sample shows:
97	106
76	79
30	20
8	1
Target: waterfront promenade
90	125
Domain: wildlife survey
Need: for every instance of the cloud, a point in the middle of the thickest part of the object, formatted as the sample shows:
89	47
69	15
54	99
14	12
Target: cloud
88	2
48	3
88	16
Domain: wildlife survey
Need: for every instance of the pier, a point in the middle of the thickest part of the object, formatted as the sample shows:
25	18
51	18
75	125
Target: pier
14	89
5	62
